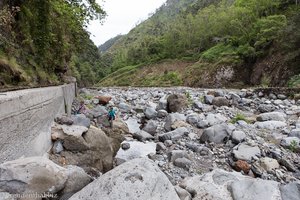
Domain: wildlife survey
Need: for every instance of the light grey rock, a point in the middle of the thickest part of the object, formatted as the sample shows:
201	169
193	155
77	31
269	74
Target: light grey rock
168	143
173	135
281	96
133	180
235	98
133	125
151	127
295	133
182	193
124	107
143	135
192	119
268	163
30	175
202	124
7	196
218	134
150	113
249	189
208	99
57	147
77	179
171	118
213	119
162	104
238	136
175	154
246	152
81	120
137	150
98	111
271	125
290	191
272	96
183	163
272	116
198	105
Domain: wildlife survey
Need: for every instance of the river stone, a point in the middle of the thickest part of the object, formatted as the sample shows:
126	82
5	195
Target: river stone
162	104
269	163
176	103
264	108
218	134
136	150
183	163
32	175
124	107
133	125
171	118
238	136
246	152
291	191
77	179
250	189
220	101
182	193
271	116
134	180
57	147
208	99
173	135
192	119
150	113
271	125
213	119
151	127
64	120
81	120
142	136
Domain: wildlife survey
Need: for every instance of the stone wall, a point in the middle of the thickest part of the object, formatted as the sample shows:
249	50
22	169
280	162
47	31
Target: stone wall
26	117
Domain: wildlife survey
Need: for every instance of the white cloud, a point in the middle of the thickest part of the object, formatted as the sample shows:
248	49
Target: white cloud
123	15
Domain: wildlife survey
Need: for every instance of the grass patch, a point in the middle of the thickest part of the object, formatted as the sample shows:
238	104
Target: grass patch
294	82
238	117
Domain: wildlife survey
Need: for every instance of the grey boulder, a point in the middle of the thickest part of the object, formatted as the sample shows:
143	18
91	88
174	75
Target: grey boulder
218	134
134	180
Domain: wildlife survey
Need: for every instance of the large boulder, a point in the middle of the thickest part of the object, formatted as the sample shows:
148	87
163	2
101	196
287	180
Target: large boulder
151	127
99	152
220	185
134	180
176	103
81	120
271	125
290	191
32	175
150	113
218	134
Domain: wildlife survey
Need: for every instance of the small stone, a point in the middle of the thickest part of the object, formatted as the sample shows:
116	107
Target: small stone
269	163
242	165
183	163
125	145
160	146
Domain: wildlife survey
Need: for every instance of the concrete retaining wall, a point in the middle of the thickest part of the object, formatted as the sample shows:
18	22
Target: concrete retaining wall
26	117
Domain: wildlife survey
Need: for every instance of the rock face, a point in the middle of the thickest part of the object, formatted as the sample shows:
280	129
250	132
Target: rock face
94	149
176	103
133	180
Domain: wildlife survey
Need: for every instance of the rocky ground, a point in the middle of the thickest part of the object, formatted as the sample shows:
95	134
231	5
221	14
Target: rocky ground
173	143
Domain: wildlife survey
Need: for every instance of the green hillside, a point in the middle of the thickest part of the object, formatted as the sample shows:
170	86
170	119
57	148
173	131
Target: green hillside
43	42
225	43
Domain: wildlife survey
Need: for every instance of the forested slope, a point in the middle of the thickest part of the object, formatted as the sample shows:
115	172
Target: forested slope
221	42
42	42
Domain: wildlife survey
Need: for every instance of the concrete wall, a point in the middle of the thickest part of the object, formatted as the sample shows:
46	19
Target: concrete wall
26	117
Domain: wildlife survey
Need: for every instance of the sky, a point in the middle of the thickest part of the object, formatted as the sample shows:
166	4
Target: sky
122	16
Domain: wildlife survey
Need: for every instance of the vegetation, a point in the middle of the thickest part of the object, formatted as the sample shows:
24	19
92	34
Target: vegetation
238	117
240	33
293	146
43	41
